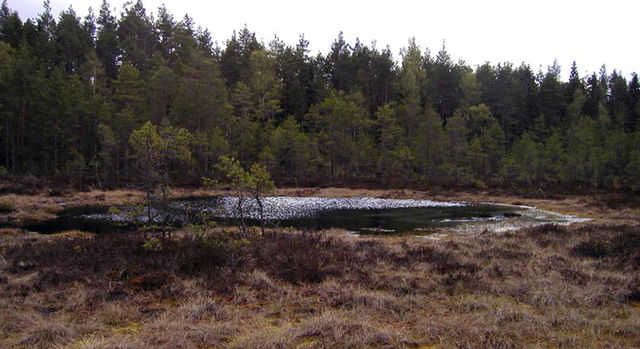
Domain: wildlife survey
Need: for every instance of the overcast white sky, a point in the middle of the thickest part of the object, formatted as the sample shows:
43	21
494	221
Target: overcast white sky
590	32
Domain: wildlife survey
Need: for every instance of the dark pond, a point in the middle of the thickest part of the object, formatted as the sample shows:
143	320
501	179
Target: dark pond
359	215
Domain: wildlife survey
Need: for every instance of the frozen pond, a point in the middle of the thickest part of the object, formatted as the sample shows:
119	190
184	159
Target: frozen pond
357	215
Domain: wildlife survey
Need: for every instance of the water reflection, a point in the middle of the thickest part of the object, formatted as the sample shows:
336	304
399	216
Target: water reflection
359	215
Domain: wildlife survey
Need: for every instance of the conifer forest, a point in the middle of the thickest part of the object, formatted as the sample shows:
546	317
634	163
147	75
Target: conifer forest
78	95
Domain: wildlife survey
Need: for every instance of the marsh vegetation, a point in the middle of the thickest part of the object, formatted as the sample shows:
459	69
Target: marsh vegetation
209	286
548	286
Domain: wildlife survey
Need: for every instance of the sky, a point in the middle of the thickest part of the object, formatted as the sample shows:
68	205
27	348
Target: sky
592	33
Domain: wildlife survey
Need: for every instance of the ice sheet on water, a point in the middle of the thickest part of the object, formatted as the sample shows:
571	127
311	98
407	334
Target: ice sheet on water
529	217
552	217
282	208
128	215
275	207
473	219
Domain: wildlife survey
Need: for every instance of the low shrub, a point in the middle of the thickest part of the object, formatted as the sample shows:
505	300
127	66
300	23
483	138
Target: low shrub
545	230
149	263
618	244
633	290
118	257
303	258
590	249
25	185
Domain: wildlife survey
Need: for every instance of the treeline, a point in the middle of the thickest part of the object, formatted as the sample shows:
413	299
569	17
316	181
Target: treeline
74	90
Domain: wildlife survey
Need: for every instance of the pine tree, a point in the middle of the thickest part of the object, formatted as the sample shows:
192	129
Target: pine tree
618	99
11	27
552	99
136	37
72	42
412	77
107	46
633	114
339	65
575	83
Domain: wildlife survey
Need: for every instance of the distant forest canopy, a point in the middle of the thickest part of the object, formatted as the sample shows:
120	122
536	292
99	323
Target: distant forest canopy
78	95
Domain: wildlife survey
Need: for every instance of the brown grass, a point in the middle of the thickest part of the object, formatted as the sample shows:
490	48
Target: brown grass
46	336
550	286
41	206
542	287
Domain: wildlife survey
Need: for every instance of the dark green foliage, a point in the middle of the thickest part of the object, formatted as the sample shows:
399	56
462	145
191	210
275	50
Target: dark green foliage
552	97
596	95
575	83
136	37
11	29
340	66
72	42
618	99
300	75
107	48
73	91
445	82
633	115
236	56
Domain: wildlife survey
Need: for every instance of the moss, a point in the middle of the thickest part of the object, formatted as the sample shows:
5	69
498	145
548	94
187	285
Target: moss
308	342
128	328
6	207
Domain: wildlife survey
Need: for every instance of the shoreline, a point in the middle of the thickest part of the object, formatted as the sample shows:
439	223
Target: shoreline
43	206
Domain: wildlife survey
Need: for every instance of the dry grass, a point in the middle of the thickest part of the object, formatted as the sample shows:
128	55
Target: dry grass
71	234
46	336
41	205
543	287
551	286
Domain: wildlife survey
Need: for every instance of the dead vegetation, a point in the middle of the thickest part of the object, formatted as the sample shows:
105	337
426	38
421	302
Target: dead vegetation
549	286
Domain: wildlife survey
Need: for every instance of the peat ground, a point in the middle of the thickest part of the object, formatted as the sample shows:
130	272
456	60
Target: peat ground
549	286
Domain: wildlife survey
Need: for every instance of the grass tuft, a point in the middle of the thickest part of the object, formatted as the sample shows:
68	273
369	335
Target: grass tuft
47	336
